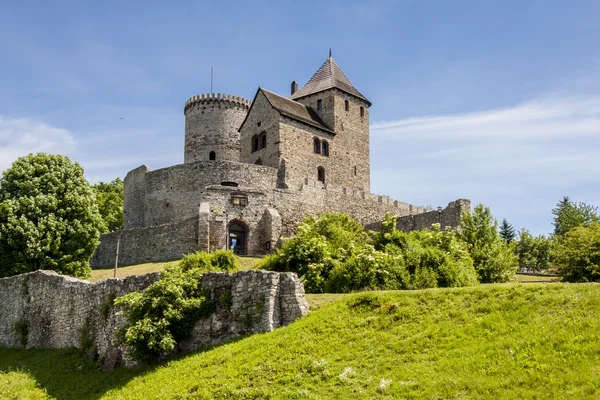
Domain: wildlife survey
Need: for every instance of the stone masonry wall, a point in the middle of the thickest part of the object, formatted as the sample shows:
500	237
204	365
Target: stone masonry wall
56	309
151	244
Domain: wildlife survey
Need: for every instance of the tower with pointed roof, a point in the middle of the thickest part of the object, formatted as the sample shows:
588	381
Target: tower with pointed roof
320	133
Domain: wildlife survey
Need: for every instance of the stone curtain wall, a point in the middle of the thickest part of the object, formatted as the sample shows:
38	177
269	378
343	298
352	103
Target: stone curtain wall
142	245
448	217
56	310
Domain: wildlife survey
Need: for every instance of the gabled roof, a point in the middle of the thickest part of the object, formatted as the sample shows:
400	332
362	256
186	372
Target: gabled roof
291	109
329	76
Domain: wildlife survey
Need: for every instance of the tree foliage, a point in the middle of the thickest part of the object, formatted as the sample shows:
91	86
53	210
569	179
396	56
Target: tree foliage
533	251
48	217
569	215
507	232
577	254
333	253
109	197
493	259
166	312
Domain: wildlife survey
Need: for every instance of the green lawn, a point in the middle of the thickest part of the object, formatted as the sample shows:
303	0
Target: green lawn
140	269
514	341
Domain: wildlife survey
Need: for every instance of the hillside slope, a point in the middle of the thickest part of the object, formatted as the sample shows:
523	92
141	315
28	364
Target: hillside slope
504	341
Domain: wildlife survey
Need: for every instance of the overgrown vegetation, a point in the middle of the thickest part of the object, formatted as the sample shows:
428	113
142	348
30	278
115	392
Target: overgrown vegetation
487	342
333	253
165	313
534	251
48	217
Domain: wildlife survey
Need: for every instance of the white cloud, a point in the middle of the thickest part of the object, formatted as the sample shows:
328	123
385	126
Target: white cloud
21	136
517	160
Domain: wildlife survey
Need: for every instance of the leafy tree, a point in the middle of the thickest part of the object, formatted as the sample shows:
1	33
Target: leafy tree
568	215
109	197
577	254
48	217
507	232
493	259
533	251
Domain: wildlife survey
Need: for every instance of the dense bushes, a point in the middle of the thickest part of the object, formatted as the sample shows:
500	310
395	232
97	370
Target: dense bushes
577	254
165	313
333	253
534	251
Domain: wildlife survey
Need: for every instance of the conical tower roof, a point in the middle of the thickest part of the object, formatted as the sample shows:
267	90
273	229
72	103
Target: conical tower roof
329	76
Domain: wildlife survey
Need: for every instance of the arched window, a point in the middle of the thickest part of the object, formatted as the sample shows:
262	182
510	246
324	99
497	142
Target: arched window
263	140
258	161
347	105
321	174
255	144
362	111
316	146
212	156
325	148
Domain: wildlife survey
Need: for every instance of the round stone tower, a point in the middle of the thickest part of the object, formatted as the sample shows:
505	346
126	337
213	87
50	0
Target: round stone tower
211	127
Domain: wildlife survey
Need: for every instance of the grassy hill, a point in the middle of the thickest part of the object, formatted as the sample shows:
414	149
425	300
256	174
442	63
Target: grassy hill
492	341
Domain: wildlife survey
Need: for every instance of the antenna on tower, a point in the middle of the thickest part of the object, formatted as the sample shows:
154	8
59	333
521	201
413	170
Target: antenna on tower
330	52
211	80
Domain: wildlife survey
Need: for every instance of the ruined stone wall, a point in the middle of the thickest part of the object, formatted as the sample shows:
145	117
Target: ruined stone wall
56	309
149	244
262	119
211	125
447	217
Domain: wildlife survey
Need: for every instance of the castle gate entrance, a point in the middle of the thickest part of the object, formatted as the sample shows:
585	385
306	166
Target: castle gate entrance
237	238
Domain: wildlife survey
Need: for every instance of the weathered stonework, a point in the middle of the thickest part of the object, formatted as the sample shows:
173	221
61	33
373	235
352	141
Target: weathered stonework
266	176
64	312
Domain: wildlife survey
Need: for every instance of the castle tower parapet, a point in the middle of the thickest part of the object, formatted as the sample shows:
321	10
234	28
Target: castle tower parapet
212	121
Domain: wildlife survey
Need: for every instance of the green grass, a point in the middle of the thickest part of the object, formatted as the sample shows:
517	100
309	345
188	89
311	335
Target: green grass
522	278
513	341
141	269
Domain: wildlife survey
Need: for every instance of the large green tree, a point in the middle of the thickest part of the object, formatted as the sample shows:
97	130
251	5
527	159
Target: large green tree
533	251
493	259
577	254
48	217
109	197
569	215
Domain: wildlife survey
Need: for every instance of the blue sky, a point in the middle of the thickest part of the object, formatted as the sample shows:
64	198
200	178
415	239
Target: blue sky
495	101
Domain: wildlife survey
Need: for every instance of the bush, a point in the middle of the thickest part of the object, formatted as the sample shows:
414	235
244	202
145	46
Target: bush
369	269
166	312
48	217
577	254
494	260
321	244
220	260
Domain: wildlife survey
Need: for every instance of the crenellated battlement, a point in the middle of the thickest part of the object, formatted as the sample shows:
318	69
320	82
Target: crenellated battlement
211	98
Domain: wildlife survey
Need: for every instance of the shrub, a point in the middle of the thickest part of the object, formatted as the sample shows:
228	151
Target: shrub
577	254
493	259
369	269
166	312
321	244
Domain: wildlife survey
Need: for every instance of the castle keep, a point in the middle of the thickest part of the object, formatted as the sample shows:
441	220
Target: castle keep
253	169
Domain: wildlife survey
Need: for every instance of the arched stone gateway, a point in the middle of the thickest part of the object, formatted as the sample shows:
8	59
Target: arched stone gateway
237	237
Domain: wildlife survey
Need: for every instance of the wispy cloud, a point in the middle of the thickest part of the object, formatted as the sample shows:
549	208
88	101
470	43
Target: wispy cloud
21	136
517	160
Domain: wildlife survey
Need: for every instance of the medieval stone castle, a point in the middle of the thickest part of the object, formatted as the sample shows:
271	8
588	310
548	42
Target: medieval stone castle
253	169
